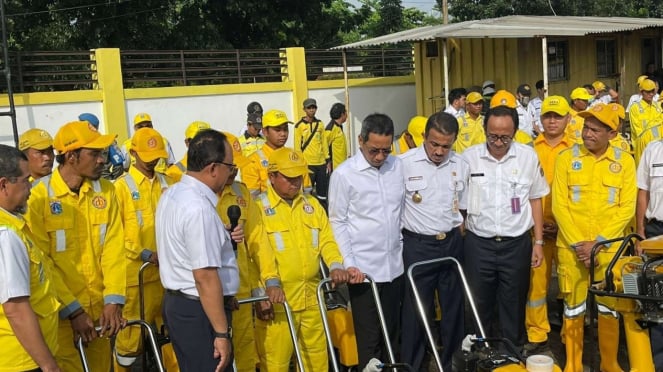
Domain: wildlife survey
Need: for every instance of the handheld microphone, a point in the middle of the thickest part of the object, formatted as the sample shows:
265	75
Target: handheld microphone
234	213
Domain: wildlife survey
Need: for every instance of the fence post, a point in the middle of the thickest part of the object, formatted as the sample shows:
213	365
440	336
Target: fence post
296	73
109	81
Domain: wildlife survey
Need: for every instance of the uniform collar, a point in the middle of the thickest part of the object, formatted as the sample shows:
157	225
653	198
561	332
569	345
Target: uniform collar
608	154
565	140
138	176
60	187
511	153
204	190
420	155
361	164
275	199
16	220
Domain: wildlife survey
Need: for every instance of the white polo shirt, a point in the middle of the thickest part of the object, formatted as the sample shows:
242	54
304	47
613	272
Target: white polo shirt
365	205
534	111
190	235
649	177
524	120
14	266
494	185
456	113
442	189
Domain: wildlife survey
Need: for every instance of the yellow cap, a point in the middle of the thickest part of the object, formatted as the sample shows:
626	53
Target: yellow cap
194	128
641	78
238	158
602	113
287	162
581	93
473	97
647	85
36	139
416	128
142	117
556	104
80	134
598	85
620	112
274	118
503	98
149	144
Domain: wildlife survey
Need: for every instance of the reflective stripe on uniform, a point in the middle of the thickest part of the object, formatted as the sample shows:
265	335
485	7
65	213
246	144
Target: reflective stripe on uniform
236	189
180	166
572	312
575	193
606	310
133	191
96	185
537	303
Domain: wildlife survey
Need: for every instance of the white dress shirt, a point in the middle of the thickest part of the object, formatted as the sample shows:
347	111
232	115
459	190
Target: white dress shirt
494	183
442	188
649	177
456	113
365	205
524	120
190	236
534	111
14	266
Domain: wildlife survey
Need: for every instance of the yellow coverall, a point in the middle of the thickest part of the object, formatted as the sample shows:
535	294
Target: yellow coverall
645	120
337	144
250	144
574	127
536	312
299	235
83	235
470	132
175	171
593	199
244	347
317	150
138	197
43	300
254	174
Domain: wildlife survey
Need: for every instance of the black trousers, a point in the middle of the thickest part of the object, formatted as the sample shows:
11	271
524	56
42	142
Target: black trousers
655	228
191	333
370	341
444	279
320	180
498	273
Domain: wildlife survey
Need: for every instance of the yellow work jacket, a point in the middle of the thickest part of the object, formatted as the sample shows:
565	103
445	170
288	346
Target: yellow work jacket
250	144
175	171
400	145
162	165
43	300
317	150
138	196
83	235
643	116
338	147
238	194
547	156
621	143
299	236
470	132
593	199
574	127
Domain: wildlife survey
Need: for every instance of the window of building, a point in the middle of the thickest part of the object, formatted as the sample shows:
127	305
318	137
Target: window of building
558	56
431	49
606	57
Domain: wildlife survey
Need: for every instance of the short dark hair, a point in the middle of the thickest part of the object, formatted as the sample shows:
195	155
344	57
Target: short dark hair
61	158
501	111
456	93
539	84
336	110
377	124
589	87
206	147
442	122
9	159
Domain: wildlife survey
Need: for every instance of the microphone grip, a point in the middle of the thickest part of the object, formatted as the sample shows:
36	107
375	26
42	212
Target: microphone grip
234	213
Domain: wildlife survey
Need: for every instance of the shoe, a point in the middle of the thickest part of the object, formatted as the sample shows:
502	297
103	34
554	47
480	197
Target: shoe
536	348
123	360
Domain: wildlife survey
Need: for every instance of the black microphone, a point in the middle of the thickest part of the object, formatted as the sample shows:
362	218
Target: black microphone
234	213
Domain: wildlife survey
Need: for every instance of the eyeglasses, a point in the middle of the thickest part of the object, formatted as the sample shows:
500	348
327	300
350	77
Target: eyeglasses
231	167
492	138
374	151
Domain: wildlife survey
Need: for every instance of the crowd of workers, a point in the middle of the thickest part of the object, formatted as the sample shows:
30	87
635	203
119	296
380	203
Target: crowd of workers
504	183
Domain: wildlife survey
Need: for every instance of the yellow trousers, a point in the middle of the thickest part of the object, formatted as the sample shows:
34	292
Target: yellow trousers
98	352
244	346
536	312
275	347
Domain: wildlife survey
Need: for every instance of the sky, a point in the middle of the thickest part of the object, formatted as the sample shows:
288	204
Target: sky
423	5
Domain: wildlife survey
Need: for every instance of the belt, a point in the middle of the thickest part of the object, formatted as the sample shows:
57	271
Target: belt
436	237
654	221
498	238
227	300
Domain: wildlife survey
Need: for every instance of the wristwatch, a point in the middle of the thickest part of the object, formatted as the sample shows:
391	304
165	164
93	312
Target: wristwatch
539	242
228	335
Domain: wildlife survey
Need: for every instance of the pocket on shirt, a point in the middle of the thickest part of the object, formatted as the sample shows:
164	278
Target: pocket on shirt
612	186
578	186
656	175
278	238
59	229
478	187
314	230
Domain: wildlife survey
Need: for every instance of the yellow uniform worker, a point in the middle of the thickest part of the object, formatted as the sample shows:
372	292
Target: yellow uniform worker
138	192
579	102
299	236
470	125
176	170
594	193
645	118
236	193
42	294
252	140
412	137
310	137
144	120
80	229
548	144
338	147
37	145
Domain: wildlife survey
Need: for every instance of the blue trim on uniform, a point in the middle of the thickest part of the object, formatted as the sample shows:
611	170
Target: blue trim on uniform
576	150
599	238
618	153
276	282
336	265
69	309
145	255
113	299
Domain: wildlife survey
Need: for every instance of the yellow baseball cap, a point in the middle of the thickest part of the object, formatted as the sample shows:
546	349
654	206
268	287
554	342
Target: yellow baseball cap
194	128
142	117
641	78
416	128
503	98
581	93
602	113
36	139
287	162
80	134
556	104
238	158
647	85
149	144
598	85
618	111
274	118
473	97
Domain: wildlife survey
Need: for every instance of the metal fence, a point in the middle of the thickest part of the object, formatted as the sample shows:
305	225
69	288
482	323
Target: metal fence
370	62
49	71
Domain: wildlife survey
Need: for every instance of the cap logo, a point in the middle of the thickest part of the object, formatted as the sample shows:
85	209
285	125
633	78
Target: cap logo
598	108
293	156
236	146
99	202
152	142
503	101
554	102
527	88
614	108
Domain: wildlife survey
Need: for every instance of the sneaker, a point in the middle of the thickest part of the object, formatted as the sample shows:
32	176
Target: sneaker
123	360
536	348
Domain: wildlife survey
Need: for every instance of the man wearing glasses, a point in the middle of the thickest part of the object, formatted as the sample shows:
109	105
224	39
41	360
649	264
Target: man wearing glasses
503	204
365	204
197	264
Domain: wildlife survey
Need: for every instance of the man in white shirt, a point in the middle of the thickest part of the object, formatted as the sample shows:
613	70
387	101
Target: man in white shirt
197	264
504	203
456	102
435	179
365	203
534	107
523	93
